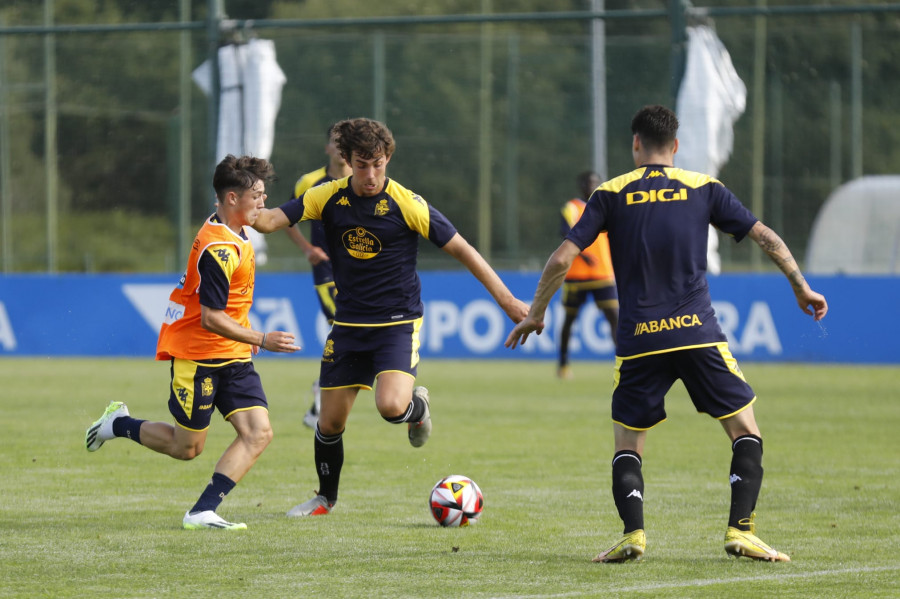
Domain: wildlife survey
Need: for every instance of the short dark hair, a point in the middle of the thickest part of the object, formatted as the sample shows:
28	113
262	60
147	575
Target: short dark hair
367	137
584	182
241	173
656	125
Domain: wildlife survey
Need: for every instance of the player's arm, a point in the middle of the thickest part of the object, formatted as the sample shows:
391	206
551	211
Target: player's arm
554	273
270	219
314	253
215	284
460	249
809	301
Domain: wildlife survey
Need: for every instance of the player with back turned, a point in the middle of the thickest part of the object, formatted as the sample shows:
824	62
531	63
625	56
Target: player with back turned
372	229
657	218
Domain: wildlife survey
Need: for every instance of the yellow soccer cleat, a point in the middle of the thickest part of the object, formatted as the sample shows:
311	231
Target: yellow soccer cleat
745	543
630	547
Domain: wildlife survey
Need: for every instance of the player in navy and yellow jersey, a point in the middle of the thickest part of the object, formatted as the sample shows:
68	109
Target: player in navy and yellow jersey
372	229
658	217
323	276
207	338
591	274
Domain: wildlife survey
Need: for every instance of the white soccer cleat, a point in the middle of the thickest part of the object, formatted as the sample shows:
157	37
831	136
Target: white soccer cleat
317	506
209	519
420	431
101	430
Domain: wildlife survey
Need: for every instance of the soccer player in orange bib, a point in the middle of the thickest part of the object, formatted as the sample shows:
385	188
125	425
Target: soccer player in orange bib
207	338
658	218
591	274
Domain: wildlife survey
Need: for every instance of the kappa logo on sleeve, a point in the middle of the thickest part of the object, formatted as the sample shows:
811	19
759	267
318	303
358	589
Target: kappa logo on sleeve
223	255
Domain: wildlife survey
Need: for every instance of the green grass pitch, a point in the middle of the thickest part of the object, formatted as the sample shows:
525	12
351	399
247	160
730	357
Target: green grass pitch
108	524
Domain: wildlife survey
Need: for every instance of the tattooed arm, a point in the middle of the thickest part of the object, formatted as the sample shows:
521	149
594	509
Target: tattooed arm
809	301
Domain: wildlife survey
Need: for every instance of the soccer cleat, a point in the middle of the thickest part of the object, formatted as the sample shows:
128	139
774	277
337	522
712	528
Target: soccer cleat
740	542
209	519
317	506
101	430
420	431
564	373
311	418
630	547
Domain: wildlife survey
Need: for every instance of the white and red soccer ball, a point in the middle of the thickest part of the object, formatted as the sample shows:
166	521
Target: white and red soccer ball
456	501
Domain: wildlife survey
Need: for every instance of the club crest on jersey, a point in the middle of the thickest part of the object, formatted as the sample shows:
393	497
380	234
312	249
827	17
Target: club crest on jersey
656	195
382	208
360	243
206	387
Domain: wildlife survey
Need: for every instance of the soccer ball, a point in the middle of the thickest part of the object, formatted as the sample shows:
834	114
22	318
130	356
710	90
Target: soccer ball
456	501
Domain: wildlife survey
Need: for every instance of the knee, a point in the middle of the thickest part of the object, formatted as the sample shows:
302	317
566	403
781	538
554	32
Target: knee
258	439
392	407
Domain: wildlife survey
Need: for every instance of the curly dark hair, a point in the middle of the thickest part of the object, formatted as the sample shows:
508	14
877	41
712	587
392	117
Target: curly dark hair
367	137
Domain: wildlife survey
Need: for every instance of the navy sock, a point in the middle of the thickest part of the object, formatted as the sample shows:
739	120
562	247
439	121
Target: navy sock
746	479
126	426
219	486
329	455
413	413
628	489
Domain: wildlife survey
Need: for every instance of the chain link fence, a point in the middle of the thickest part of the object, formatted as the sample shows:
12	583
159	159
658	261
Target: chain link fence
106	154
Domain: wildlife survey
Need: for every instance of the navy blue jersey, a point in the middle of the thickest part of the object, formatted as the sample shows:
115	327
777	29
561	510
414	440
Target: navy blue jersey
322	272
373	243
658	220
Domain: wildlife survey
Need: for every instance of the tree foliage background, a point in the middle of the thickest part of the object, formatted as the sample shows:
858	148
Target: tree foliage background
117	97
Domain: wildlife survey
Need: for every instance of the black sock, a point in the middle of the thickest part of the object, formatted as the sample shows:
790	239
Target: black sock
126	426
413	413
329	455
746	479
628	489
219	486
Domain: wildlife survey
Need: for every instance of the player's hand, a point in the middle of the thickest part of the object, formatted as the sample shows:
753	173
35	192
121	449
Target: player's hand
315	255
521	331
280	341
812	303
518	311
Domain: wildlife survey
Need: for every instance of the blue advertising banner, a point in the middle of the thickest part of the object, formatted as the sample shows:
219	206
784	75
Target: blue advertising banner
120	315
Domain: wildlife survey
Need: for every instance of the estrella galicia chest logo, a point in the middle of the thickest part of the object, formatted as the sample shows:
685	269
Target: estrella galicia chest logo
382	208
360	243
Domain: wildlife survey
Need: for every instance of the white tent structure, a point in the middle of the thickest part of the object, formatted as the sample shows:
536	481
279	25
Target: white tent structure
857	230
250	83
711	97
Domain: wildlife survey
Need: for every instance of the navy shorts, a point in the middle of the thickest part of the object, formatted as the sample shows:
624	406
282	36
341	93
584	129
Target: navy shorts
710	374
576	293
355	355
197	388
